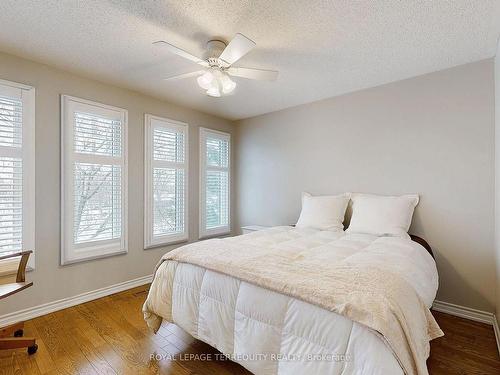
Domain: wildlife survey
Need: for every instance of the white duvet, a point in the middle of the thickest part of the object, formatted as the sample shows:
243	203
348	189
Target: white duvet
270	333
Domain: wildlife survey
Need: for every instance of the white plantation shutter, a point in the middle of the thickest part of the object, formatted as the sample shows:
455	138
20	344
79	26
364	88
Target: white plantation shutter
165	184
94	180
97	187
11	174
97	135
11	204
216	199
11	122
97	202
215	182
17	168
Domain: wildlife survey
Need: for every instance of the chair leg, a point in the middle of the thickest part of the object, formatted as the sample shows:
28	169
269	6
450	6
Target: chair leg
14	329
16	342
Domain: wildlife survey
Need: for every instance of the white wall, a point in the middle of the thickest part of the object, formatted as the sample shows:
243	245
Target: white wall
432	135
497	177
51	281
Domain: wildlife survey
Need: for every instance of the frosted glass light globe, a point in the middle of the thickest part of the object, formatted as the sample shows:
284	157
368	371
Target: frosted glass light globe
205	80
213	91
228	85
216	82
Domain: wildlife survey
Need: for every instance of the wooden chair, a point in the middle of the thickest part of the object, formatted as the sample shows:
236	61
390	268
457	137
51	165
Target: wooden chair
8	289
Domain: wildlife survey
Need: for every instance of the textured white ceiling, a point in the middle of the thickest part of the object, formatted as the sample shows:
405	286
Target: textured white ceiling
321	48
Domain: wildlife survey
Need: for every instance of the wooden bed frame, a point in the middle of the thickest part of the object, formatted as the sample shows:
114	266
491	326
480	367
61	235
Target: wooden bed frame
422	242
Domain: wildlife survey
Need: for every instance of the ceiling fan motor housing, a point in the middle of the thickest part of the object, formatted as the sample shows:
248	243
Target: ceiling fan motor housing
214	50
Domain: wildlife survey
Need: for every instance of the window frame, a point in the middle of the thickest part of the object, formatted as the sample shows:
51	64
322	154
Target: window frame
27	154
70	252
222	230
149	239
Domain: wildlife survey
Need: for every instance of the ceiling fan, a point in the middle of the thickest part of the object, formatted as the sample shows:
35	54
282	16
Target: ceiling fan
220	57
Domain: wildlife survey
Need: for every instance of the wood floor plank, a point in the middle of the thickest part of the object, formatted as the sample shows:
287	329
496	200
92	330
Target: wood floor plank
87	347
108	336
466	348
95	358
43	359
106	351
62	324
7	362
54	345
27	364
115	336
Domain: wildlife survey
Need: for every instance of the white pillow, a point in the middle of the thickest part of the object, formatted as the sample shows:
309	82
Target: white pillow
382	215
323	212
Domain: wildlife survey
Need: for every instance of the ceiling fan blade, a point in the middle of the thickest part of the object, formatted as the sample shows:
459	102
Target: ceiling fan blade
249	73
237	48
185	75
180	52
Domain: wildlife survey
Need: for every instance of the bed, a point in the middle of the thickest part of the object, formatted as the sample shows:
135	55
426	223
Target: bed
293	301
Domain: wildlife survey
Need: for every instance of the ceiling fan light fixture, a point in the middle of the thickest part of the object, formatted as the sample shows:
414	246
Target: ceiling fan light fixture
213	91
216	83
205	81
228	85
215	78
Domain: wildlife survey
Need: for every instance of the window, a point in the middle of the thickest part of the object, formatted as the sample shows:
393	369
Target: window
215	182
17	168
94	180
165	185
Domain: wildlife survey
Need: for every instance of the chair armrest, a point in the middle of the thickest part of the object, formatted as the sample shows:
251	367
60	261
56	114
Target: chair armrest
21	270
13	255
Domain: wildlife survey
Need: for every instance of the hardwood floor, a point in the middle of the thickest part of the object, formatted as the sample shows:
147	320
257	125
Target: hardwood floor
109	336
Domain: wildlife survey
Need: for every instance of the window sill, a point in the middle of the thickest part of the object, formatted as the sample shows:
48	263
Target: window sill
164	244
88	258
214	235
8	267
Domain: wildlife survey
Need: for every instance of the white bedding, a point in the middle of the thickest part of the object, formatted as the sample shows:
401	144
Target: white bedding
270	333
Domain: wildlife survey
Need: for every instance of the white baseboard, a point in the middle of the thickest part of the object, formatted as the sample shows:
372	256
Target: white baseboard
496	328
471	314
464	312
64	303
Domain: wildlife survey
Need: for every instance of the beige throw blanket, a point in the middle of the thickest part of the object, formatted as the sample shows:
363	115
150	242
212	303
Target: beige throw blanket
376	298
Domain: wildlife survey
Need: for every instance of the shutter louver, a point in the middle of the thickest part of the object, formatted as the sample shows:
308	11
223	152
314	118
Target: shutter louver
217	152
11	204
96	135
217	197
11	175
168	145
216	182
168	204
97	200
169	180
11	122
